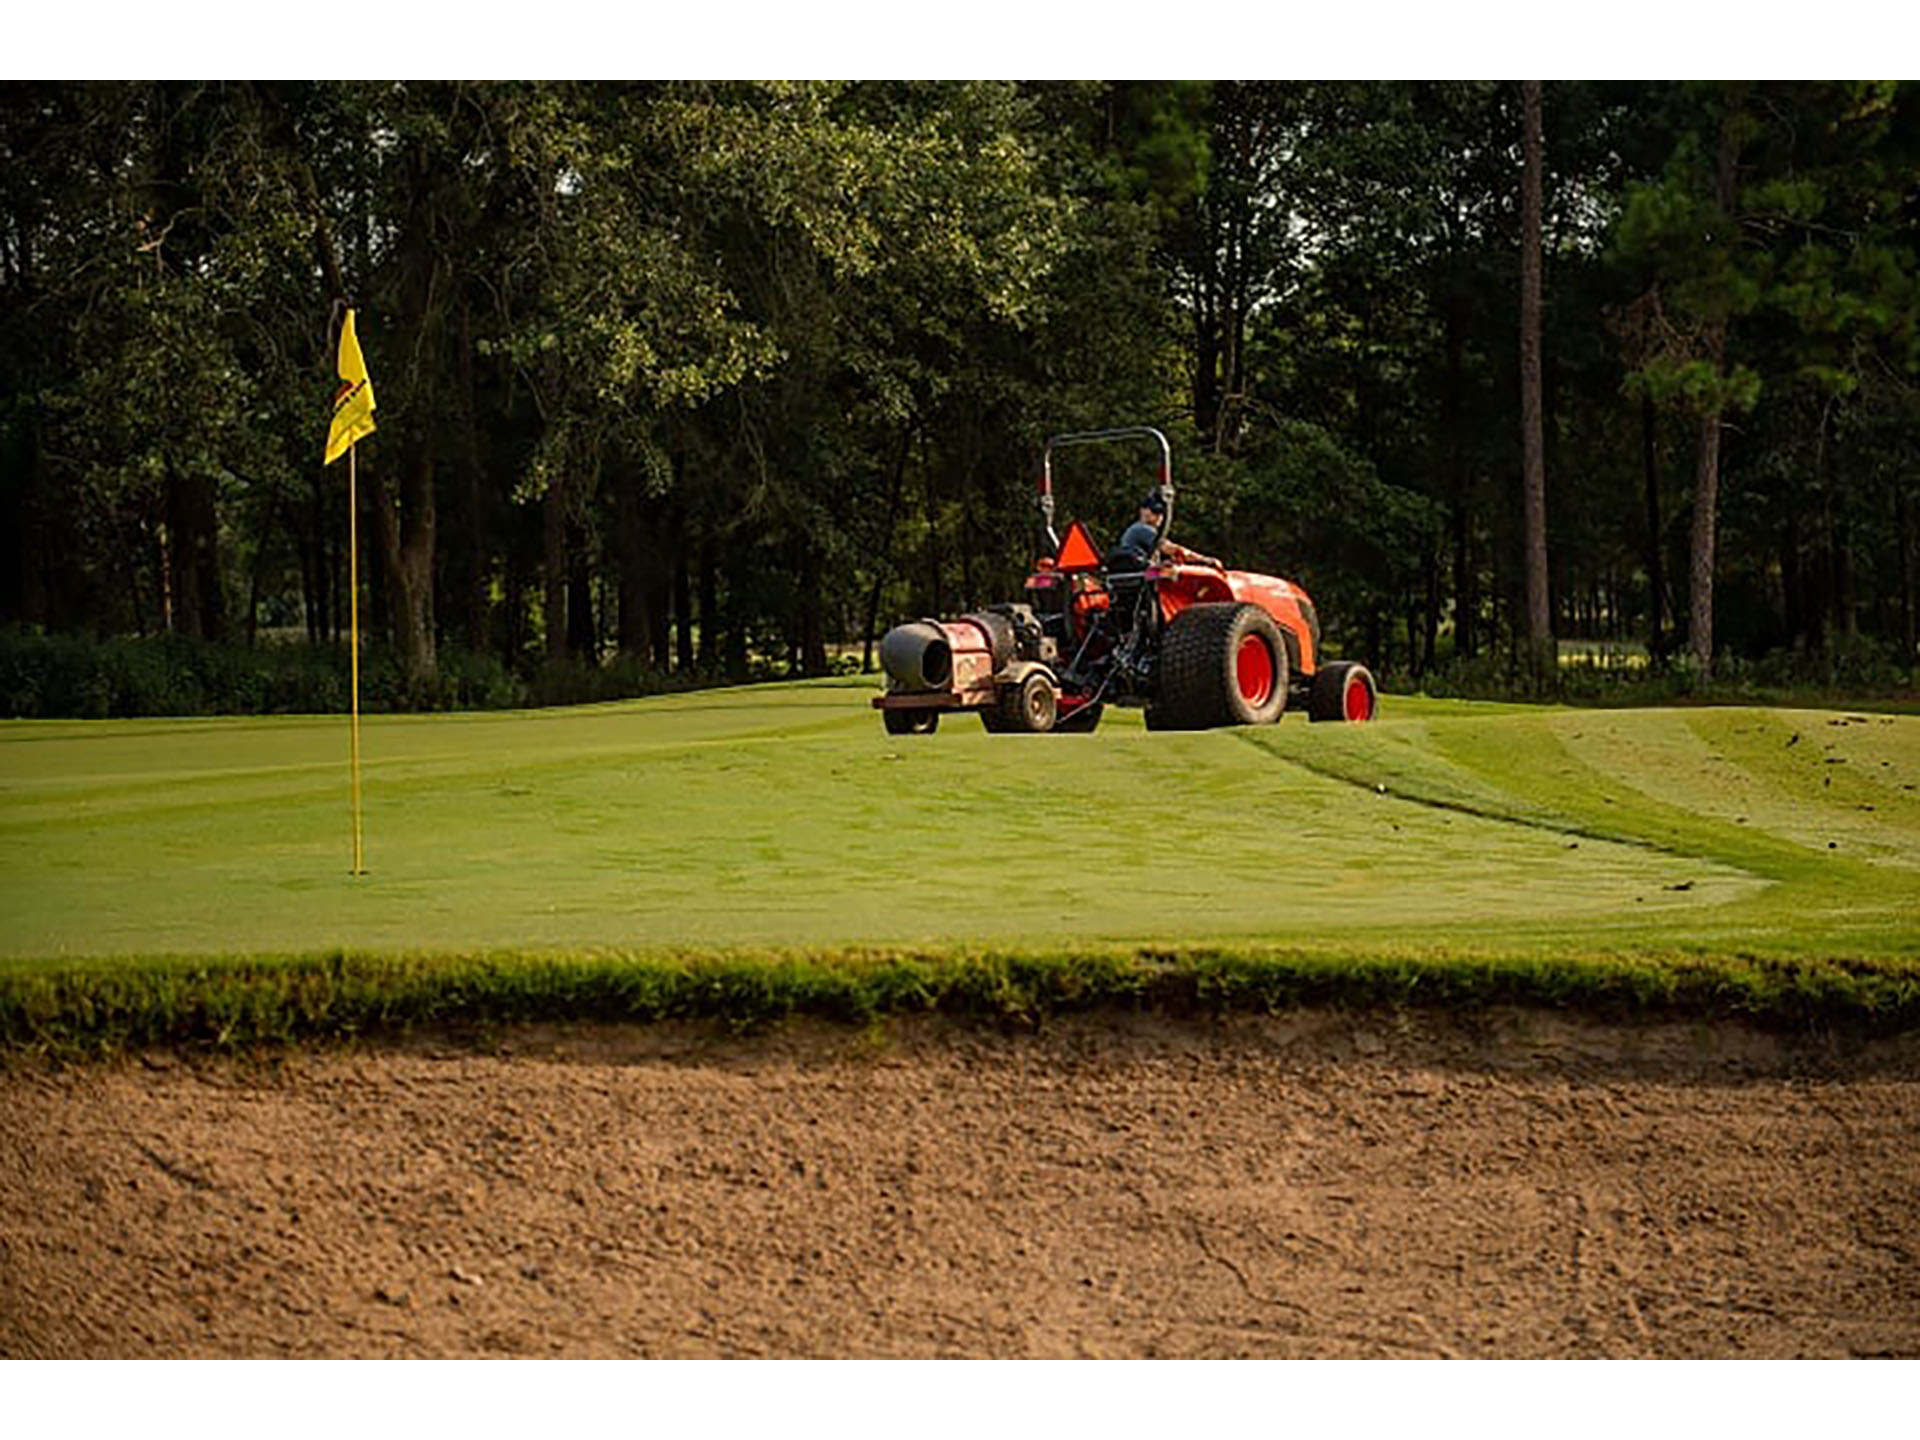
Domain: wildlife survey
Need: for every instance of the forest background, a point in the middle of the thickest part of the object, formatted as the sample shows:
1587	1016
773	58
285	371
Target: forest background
684	382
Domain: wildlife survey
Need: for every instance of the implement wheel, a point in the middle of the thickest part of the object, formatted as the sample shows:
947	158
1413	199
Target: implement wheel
911	722
1220	665
1029	707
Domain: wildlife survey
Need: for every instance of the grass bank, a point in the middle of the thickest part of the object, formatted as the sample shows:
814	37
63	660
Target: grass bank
107	1008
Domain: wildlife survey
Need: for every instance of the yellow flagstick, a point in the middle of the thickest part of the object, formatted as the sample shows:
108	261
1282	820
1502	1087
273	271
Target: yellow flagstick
353	643
352	420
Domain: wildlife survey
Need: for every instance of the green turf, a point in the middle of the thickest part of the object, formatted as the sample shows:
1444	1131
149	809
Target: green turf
784	816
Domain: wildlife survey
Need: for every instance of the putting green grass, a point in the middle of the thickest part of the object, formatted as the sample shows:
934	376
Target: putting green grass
783	816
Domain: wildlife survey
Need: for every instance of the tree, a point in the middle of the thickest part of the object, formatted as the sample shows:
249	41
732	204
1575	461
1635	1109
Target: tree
1533	464
1775	230
1686	223
738	373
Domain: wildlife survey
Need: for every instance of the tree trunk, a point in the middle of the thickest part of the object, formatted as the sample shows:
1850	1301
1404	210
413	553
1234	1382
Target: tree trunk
1430	628
1533	462
884	565
263	547
660	619
682	603
131	566
404	517
1206	363
1466	601
553	567
709	609
322	563
473	603
738	562
17	529
583	631
630	560
813	641
933	544
193	535
1845	602
310	593
968	535
1839	526
516	638
1706	483
1793	585
404	527
1453	428
1909	620
1706	494
1656	541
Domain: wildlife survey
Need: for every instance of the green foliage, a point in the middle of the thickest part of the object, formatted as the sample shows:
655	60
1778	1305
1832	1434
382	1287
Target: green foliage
1858	672
1294	501
786	353
86	678
1698	387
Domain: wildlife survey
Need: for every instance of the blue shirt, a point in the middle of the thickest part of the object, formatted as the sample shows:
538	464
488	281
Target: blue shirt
1141	539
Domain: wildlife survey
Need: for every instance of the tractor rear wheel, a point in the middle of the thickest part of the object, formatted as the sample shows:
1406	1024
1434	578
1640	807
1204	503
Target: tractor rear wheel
1344	690
911	722
1220	665
1028	707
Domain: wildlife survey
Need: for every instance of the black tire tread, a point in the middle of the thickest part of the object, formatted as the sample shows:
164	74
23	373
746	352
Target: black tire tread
903	721
1330	690
1007	715
1196	674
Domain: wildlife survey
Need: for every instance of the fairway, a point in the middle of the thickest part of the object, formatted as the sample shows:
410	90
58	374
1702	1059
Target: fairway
783	815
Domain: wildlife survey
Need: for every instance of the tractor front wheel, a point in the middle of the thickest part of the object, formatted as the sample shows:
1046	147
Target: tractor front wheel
911	722
1220	665
1344	690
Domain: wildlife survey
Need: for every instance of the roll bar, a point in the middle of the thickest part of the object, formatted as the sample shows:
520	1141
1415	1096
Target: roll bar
1091	437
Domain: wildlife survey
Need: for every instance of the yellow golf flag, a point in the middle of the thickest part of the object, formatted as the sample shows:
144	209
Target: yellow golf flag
353	401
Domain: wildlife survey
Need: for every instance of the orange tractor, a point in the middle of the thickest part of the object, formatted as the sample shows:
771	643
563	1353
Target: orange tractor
1193	642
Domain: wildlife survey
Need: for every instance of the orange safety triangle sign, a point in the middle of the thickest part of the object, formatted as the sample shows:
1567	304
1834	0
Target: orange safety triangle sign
1076	551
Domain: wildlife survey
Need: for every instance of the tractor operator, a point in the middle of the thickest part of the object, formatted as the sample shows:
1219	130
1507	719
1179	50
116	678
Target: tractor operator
1142	538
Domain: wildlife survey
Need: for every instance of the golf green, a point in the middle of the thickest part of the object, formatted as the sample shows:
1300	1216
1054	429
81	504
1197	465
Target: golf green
785	815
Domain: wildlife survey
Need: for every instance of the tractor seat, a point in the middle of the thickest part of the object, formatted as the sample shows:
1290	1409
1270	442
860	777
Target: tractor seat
1126	583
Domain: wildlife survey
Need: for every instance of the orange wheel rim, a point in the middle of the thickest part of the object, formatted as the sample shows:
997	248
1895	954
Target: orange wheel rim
1359	700
1253	670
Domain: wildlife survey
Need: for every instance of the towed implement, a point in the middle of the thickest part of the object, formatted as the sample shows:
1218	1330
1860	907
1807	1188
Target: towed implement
1147	623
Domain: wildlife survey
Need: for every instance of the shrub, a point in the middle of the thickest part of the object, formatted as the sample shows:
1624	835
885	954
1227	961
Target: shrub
1848	669
81	677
